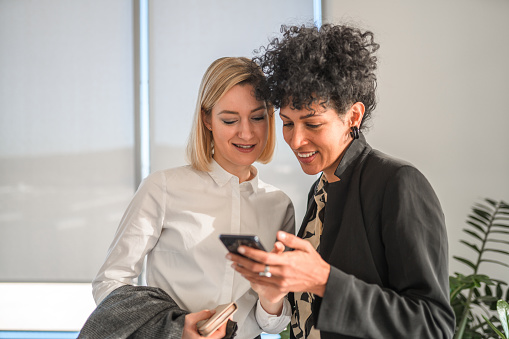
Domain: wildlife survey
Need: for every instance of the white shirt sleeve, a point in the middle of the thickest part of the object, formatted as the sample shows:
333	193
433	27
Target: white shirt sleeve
270	323
136	235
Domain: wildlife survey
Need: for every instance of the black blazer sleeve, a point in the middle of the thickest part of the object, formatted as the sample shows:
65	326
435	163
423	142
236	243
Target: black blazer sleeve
411	299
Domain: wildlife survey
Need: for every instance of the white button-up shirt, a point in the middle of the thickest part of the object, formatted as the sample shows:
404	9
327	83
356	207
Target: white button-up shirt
175	219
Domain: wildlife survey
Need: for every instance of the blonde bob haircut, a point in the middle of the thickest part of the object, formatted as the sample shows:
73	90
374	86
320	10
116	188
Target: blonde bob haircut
220	77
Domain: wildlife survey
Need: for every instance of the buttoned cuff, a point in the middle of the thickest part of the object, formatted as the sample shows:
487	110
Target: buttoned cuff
271	323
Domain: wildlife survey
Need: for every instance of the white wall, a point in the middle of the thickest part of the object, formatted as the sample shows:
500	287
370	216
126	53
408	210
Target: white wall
442	88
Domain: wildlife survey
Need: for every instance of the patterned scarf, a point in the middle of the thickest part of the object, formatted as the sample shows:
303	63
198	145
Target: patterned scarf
303	323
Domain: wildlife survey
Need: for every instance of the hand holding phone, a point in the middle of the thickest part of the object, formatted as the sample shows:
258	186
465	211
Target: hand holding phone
223	313
233	241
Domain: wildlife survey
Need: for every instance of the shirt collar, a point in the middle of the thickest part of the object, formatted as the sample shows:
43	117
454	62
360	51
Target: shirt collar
222	177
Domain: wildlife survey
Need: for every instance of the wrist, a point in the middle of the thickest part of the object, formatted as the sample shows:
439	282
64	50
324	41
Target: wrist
273	308
322	279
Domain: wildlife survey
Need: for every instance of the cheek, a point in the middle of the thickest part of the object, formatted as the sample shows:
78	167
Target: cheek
286	136
221	134
263	130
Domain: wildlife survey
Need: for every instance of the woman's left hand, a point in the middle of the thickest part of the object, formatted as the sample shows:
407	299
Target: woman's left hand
300	270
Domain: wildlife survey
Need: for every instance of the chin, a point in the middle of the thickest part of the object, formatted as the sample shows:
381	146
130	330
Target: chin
309	171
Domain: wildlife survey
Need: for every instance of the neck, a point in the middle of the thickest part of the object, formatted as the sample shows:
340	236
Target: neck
330	173
245	176
331	177
244	173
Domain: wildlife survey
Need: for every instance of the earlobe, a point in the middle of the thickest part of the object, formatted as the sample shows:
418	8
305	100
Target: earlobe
354	132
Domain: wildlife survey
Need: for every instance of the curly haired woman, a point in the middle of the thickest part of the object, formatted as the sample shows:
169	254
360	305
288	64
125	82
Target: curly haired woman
371	257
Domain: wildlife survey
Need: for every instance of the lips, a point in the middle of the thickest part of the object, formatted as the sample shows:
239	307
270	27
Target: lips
306	157
244	148
306	154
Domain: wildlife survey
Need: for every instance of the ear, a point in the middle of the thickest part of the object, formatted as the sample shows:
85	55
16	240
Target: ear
356	114
206	120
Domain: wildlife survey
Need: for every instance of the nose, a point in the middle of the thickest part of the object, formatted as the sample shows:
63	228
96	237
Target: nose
296	137
245	130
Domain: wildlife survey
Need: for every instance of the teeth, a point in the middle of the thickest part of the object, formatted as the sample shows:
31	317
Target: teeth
306	155
244	146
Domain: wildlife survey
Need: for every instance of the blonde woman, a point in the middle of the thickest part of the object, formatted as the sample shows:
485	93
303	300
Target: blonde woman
177	214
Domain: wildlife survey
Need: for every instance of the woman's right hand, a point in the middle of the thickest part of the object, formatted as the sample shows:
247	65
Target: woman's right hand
191	329
271	297
300	270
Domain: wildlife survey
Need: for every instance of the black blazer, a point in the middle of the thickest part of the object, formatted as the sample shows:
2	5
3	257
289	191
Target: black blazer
385	238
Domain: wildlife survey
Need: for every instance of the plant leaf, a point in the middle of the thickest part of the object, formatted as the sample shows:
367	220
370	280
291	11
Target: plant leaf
465	261
473	219
482	214
500	225
478	279
480	228
472	246
496	251
498	241
456	291
494	328
472	233
491	202
483	207
499	232
503	312
495	262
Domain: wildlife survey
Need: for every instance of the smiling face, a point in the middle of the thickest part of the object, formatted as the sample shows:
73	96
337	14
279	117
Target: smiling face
239	125
319	138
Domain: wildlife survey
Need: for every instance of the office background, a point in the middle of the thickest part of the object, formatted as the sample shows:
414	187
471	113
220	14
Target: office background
68	129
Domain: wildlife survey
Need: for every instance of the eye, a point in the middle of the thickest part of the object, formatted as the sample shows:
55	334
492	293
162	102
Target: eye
229	122
259	118
313	125
287	124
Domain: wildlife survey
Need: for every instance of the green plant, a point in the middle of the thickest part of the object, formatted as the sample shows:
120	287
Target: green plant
286	333
488	228
503	312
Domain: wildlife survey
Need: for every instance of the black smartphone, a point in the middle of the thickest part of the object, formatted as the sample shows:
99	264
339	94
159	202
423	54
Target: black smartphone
233	241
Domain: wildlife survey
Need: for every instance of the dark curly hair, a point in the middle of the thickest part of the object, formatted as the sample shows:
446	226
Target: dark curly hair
332	66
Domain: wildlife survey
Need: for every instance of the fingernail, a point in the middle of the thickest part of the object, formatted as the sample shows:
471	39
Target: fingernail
228	256
282	235
241	250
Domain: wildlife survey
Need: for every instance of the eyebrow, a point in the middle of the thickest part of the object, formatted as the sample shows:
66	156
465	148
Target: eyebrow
302	117
225	111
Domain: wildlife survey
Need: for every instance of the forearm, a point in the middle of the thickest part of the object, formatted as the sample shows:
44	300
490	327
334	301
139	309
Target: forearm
274	308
